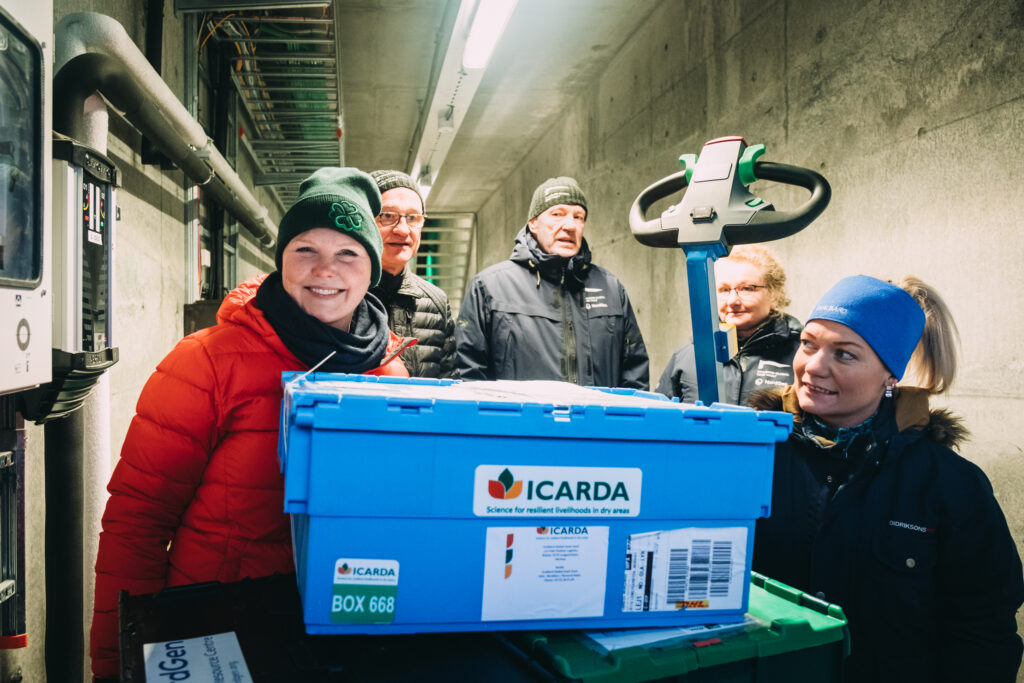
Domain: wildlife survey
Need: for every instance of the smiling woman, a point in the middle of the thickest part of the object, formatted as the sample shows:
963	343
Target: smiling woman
751	297
197	494
327	273
871	507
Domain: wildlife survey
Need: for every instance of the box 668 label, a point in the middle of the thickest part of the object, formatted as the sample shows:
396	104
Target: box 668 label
365	591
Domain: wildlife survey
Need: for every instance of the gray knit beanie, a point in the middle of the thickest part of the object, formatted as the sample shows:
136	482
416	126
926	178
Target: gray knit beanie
554	191
342	199
389	180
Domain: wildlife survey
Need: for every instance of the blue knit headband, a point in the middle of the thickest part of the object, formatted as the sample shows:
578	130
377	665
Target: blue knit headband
886	316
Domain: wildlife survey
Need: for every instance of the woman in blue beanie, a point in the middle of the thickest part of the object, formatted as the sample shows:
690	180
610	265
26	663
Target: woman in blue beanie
871	507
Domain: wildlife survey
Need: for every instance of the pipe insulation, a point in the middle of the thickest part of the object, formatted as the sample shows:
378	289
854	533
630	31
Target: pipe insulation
93	53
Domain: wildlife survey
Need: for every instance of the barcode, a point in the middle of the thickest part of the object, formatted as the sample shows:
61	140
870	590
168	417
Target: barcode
678	572
721	569
700	569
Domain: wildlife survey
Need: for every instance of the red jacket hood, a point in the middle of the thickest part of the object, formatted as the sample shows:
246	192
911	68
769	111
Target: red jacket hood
238	297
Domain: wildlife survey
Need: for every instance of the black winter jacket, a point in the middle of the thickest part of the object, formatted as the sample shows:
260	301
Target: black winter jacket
913	545
541	316
764	360
418	309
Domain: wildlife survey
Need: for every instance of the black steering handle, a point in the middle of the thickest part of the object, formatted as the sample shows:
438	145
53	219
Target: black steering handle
650	232
765	226
758	226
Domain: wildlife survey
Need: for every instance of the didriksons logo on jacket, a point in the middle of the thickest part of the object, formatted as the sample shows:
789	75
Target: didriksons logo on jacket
543	491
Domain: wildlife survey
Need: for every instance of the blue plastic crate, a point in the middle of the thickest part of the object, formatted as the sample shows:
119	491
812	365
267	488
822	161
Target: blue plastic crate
432	505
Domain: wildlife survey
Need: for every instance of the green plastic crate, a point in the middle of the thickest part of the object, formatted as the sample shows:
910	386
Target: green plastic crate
803	639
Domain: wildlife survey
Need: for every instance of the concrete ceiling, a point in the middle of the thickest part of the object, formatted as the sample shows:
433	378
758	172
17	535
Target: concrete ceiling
551	51
400	65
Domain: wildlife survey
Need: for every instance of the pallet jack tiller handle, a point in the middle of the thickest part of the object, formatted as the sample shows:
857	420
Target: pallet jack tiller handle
763	225
718	211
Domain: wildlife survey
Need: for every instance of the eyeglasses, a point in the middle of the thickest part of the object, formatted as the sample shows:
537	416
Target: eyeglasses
386	219
742	291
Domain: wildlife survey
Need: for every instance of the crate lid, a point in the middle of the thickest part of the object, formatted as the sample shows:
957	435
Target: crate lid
338	401
788	621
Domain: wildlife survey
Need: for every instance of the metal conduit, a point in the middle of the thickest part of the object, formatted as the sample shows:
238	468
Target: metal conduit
94	54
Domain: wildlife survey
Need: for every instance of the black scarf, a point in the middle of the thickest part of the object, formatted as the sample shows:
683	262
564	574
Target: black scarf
571	272
360	349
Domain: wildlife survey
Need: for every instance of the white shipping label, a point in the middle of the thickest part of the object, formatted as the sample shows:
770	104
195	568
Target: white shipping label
553	572
541	491
208	659
685	569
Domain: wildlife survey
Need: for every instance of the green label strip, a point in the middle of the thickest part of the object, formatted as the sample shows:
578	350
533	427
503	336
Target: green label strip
359	604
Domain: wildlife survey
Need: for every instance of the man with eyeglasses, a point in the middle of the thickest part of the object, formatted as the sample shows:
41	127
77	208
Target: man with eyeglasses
416	308
548	312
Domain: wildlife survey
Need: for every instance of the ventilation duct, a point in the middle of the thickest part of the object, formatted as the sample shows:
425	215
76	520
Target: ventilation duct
95	54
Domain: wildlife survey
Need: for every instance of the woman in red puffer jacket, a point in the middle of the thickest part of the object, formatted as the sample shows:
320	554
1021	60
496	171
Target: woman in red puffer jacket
198	493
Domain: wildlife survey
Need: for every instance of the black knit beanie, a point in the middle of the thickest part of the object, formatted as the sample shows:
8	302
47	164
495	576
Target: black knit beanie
389	180
554	191
342	199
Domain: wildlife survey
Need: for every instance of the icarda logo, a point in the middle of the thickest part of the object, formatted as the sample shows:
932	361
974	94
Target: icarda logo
505	487
562	531
344	569
545	490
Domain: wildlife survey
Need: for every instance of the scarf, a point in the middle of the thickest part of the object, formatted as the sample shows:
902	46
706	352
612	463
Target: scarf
360	349
570	272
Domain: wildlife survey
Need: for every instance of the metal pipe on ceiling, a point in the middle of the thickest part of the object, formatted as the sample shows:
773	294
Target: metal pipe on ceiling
288	88
280	39
95	54
283	20
296	73
287	57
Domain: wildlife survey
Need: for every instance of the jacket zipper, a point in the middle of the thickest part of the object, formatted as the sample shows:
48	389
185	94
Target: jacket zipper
568	334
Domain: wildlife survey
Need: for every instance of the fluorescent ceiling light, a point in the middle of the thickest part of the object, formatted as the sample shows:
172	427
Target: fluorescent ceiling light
488	24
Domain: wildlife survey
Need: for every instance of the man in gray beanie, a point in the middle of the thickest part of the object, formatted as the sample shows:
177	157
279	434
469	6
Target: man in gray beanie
416	308
548	312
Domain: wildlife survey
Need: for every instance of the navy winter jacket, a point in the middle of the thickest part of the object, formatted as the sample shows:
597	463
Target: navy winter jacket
541	316
765	360
905	535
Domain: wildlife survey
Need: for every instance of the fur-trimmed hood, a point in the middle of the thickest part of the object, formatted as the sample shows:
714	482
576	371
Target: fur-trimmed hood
912	412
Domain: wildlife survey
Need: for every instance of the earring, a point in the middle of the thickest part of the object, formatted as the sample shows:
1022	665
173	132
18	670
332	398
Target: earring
888	390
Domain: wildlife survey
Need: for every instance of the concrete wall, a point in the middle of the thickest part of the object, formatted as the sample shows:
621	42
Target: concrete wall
912	110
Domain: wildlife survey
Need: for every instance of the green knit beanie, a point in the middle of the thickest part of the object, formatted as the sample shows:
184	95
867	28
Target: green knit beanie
389	180
555	191
342	199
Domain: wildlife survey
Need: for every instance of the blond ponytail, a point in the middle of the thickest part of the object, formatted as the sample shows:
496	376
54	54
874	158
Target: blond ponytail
934	362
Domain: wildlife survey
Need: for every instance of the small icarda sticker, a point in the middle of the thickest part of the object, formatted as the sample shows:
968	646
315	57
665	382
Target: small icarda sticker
365	591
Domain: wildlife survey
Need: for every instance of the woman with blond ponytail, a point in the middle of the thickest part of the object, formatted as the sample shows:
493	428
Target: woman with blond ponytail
871	507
